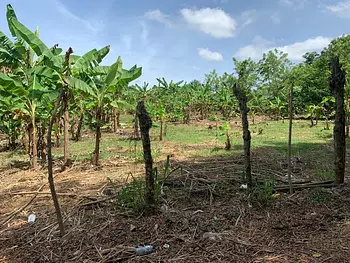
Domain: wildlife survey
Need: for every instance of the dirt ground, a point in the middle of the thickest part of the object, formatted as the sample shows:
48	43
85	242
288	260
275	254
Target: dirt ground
203	216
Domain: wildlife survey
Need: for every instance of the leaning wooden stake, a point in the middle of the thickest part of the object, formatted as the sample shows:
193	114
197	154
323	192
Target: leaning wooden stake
242	98
290	140
337	81
145	125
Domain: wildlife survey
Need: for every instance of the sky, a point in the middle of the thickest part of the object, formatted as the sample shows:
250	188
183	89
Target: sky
184	39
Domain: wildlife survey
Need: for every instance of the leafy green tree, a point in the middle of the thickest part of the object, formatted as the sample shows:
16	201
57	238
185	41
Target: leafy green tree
340	47
273	69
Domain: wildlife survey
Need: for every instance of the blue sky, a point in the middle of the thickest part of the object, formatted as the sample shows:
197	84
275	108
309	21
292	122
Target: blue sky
184	39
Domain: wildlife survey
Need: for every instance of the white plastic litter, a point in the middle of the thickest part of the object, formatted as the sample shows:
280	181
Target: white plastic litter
166	246
244	186
31	218
144	250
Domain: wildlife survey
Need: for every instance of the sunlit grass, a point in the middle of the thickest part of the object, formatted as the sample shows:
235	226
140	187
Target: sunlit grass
313	144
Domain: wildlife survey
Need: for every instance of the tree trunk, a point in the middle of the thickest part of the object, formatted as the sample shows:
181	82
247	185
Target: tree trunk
165	128
30	140
73	127
118	119
202	112
96	153
26	140
161	130
242	99
290	140
80	125
115	123
43	150
337	81
228	142
66	129
49	167
34	145
327	123
145	126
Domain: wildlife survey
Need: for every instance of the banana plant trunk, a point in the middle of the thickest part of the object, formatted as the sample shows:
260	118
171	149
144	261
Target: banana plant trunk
115	120
118	119
34	145
66	129
43	146
161	129
228	141
165	128
80	125
96	153
73	127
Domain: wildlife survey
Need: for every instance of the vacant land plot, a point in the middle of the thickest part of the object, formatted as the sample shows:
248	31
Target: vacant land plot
204	216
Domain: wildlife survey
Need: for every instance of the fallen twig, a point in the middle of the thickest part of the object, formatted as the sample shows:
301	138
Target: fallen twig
328	184
99	201
38	193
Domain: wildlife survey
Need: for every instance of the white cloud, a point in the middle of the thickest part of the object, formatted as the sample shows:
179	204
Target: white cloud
248	17
220	1
210	55
295	50
298	49
158	16
214	22
286	2
341	9
275	17
295	4
94	26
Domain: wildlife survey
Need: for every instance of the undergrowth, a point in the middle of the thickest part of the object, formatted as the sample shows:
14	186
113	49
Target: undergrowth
132	195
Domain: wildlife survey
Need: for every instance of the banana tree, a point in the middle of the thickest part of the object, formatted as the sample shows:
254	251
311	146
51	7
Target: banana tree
118	103
24	79
157	110
10	122
326	109
226	128
314	113
277	106
255	105
105	80
46	68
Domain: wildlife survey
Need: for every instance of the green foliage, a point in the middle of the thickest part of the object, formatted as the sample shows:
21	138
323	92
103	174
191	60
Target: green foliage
320	195
161	179
263	194
131	195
